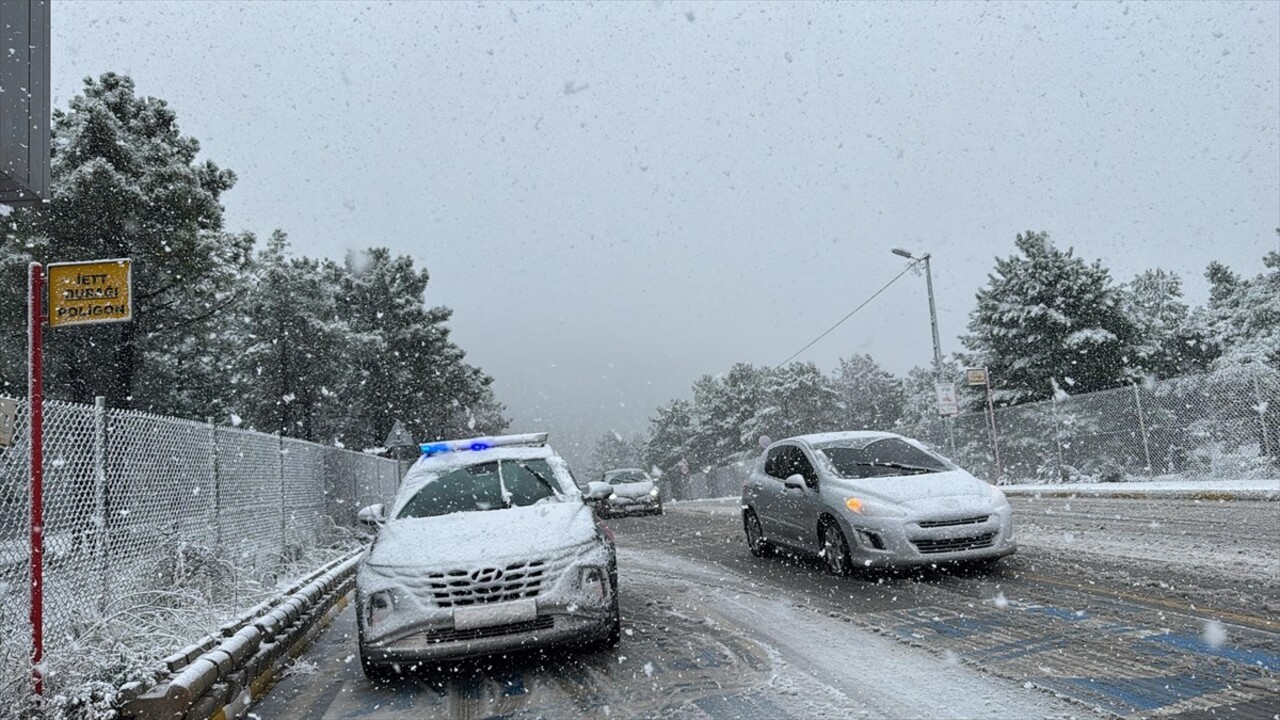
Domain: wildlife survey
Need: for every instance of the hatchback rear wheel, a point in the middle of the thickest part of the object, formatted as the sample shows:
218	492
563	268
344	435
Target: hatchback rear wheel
755	535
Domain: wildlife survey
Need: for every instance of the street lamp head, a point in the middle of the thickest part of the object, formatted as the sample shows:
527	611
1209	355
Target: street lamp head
903	253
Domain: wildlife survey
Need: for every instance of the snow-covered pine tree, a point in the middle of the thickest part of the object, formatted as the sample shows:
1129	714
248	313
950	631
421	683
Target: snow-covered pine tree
1046	314
1167	343
126	183
405	366
870	397
295	348
670	429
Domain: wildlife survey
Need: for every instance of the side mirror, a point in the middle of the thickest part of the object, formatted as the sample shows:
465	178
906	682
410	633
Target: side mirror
795	481
373	516
598	490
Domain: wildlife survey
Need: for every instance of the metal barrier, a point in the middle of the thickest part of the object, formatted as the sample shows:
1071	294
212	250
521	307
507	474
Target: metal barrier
161	525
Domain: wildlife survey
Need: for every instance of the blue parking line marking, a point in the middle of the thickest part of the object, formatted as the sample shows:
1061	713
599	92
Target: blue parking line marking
1245	656
1127	694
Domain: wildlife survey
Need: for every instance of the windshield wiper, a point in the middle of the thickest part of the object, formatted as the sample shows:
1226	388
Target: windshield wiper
540	478
900	466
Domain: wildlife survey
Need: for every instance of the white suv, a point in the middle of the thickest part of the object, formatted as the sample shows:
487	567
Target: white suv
487	547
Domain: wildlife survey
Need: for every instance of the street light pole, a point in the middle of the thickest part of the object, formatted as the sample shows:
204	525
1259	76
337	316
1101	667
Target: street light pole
933	308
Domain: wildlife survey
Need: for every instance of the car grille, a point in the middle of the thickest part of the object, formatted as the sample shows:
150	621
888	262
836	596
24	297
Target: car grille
450	635
952	523
929	547
453	588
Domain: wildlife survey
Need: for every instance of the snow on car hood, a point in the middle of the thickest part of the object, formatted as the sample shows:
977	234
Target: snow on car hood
468	538
633	489
918	491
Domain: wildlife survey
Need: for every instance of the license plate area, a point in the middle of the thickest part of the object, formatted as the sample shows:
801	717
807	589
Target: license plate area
507	613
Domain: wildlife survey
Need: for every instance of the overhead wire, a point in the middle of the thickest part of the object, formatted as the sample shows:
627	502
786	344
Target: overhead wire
851	314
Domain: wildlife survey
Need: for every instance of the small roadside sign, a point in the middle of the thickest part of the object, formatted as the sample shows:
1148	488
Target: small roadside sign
399	437
948	405
976	376
87	293
8	420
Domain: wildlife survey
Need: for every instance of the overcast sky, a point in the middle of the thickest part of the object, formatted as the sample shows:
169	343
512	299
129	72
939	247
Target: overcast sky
618	198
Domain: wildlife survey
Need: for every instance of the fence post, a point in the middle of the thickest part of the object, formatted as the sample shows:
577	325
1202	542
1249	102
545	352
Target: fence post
1142	425
1057	438
1262	416
217	484
280	477
100	494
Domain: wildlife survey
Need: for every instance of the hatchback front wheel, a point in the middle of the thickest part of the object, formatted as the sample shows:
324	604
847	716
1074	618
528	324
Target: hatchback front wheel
835	550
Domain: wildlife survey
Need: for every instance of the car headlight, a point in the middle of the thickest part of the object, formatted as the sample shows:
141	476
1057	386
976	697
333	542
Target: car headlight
654	492
379	607
862	506
593	581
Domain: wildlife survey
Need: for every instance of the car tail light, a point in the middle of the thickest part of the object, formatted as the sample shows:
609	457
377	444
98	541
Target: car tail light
604	529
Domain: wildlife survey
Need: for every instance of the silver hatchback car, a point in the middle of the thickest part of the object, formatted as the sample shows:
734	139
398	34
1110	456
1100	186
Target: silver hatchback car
871	499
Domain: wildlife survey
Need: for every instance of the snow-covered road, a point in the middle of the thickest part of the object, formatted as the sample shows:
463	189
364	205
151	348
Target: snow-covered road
1113	607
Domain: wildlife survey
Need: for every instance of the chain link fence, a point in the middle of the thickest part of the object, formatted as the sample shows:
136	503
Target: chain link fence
1221	425
155	522
1224	425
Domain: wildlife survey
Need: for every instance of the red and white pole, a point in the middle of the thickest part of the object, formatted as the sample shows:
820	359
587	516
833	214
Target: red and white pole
35	398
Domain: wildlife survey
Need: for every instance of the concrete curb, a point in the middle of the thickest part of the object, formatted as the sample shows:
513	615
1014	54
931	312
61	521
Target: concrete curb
1128	492
221	676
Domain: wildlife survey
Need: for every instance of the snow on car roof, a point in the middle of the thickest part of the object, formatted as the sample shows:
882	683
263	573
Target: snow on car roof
861	437
428	468
617	471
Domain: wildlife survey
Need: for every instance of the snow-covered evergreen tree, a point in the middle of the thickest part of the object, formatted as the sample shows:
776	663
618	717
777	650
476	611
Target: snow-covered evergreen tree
1243	316
126	183
669	429
1047	315
405	367
1167	342
613	451
796	399
870	397
295	350
722	407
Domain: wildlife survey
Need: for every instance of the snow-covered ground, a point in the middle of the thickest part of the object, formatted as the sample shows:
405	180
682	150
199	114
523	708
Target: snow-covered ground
822	666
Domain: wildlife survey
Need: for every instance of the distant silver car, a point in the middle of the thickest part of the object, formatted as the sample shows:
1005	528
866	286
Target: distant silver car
869	499
625	491
488	547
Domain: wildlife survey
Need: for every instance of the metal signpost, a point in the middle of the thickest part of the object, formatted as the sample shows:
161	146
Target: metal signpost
83	293
980	376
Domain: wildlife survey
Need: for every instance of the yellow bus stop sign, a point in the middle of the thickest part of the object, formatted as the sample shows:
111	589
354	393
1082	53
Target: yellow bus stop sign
85	293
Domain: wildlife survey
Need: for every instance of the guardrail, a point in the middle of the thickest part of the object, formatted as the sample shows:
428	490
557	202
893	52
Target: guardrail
223	674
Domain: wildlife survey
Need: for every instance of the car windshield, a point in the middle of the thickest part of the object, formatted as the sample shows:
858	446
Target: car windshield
626	476
485	486
883	458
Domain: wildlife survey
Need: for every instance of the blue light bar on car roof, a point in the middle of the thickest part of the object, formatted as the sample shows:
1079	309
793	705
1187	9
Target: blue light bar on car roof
482	443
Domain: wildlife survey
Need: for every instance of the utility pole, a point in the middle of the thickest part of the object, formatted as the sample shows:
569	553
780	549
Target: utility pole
933	308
